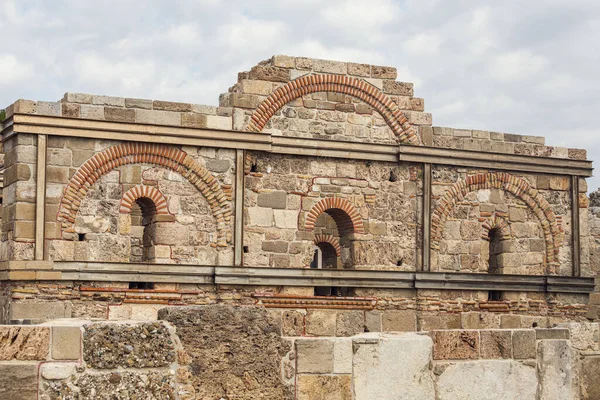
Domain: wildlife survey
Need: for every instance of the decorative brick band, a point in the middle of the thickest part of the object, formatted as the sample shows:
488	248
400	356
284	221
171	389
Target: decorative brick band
140	191
495	222
359	89
169	157
345	215
332	240
510	183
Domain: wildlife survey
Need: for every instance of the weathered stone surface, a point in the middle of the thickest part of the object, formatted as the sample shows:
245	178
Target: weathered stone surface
315	356
57	371
315	387
349	323
321	323
113	345
524	344
292	323
590	377
342	356
66	342
114	385
487	380
18	381
390	367
275	199
552	333
455	345
496	344
235	351
554	369
24	343
399	321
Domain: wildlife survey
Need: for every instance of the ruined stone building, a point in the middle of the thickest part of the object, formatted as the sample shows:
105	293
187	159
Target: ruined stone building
304	219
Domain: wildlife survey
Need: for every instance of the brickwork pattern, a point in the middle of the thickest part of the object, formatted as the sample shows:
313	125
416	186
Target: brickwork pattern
135	153
332	240
364	91
143	191
346	216
512	184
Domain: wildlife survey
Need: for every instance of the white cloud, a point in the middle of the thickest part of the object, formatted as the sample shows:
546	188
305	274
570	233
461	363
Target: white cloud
13	70
517	65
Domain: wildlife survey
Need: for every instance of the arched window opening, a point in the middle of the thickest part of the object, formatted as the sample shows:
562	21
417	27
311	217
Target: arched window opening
325	257
143	213
495	267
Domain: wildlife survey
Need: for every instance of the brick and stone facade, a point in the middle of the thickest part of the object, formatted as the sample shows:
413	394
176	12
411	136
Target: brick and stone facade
317	192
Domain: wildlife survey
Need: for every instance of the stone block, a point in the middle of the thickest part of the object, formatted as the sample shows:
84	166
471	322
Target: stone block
552	333
276	199
590	377
315	356
487	379
315	387
373	321
260	216
399	321
284	61
42	311
171	106
455	345
18	381
342	356
359	69
509	321
57	174
49	108
138	103
332	67
392	367
437	322
286	219
119	114
399	88
24	343
66	342
155	117
496	344
276	246
349	323
268	73
524	344
292	323
70	110
382	72
108	101
218	166
321	322
82	98
218	122
554	369
58	371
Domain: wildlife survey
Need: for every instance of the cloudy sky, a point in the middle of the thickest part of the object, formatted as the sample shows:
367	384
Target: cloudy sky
526	67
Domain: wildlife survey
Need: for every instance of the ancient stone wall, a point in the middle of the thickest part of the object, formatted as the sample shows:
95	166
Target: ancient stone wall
286	216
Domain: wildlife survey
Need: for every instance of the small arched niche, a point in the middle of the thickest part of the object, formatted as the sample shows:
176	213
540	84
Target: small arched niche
143	230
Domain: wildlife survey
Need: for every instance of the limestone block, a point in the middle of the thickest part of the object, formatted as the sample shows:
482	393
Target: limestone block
276	246
321	323
349	323
509	321
48	108
399	321
18	381
373	321
260	216
554	369
552	333
399	88
108	101
524	344
145	312
315	356
342	356
437	322
58	371
41	310
332	67
119	114
138	103
392	367
286	219
487	380
359	69
66	342
314	387
82	98
455	345
268	73
218	166
156	117
382	72
496	344
119	312
590	377
284	61
24	343
583	335
218	122
292	323
70	110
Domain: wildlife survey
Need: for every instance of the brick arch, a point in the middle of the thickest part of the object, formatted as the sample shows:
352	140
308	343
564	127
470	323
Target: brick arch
359	89
346	216
169	157
332	240
495	222
143	191
507	182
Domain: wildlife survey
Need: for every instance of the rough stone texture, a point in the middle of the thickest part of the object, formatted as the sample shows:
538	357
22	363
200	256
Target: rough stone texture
113	345
18	381
455	345
66	342
114	385
236	351
590	377
389	367
487	380
524	344
314	387
496	344
554	369
315	356
399	321
24	343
